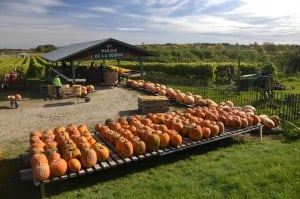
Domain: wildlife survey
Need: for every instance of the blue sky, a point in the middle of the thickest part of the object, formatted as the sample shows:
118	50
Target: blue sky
28	23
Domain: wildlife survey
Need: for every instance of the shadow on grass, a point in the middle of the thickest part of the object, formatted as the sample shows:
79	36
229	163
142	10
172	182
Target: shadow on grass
11	185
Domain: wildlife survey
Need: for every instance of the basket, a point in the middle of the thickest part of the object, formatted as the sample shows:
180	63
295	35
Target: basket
110	78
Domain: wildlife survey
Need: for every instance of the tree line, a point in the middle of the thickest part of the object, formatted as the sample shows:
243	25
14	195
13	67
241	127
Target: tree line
286	58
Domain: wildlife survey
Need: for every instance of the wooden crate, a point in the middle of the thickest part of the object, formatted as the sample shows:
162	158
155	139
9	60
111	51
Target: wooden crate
153	104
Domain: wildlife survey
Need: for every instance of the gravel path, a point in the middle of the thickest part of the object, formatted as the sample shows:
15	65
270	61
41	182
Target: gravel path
39	114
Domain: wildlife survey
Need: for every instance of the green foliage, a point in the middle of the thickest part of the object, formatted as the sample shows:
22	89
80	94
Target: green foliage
45	48
291	130
35	69
249	68
269	68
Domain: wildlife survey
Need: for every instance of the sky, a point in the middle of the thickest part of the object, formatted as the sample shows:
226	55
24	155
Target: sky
29	23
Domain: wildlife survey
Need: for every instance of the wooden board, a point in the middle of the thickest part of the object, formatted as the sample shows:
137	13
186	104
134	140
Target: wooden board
147	98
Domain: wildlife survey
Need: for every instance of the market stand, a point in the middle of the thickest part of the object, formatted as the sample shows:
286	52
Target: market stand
69	57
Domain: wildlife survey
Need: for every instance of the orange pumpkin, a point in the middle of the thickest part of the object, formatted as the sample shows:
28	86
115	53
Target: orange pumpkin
139	146
214	129
127	148
38	158
244	122
88	157
164	139
35	133
205	132
58	167
102	152
47	135
275	119
18	97
152	142
221	126
58	130
41	172
74	164
236	123
268	123
195	133
256	119
53	155
82	128
188	99
176	139
70	153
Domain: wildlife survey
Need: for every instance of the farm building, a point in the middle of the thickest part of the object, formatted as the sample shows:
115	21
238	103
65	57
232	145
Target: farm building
66	60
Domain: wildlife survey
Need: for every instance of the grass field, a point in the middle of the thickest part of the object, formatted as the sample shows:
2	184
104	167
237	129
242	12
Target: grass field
234	168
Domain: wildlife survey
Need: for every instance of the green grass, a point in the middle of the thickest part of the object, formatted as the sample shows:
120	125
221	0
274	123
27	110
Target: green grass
228	169
293	81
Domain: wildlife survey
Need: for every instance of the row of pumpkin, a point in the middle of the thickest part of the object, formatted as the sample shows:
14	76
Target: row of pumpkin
189	99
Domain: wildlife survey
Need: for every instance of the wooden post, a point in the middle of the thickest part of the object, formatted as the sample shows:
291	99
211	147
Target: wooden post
142	67
43	190
260	132
73	72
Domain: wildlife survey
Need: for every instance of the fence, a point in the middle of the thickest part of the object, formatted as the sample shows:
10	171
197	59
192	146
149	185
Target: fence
285	105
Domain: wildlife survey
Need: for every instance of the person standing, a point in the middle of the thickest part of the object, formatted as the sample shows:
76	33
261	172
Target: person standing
57	84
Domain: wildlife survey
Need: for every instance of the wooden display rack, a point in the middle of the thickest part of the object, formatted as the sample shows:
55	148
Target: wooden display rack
116	159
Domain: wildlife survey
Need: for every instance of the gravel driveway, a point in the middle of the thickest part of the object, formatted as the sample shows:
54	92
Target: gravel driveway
39	114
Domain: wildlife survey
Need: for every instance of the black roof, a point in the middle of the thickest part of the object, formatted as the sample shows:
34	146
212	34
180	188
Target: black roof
67	52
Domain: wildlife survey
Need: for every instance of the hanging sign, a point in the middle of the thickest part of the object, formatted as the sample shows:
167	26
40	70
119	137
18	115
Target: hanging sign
108	51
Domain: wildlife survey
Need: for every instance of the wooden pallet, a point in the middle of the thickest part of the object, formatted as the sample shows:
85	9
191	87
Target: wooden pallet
153	104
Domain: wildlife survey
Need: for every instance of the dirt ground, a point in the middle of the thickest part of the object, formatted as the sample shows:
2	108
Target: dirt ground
39	114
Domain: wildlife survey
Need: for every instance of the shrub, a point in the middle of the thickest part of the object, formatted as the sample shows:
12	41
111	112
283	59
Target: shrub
291	130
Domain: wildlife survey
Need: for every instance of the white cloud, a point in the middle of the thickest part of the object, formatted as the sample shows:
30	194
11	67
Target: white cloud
29	6
84	15
104	9
167	9
268	8
130	29
211	3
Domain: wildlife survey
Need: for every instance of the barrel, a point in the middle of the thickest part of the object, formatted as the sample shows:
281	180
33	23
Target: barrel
110	78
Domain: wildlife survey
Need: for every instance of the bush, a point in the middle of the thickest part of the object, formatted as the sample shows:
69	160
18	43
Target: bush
291	130
269	68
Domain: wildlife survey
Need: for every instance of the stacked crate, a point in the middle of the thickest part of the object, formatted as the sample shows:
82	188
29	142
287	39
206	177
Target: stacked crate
153	104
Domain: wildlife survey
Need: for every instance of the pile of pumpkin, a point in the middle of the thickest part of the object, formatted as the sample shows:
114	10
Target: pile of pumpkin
187	98
54	152
17	97
137	134
86	89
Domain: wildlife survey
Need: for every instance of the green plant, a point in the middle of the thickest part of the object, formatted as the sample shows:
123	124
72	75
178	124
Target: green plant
291	130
